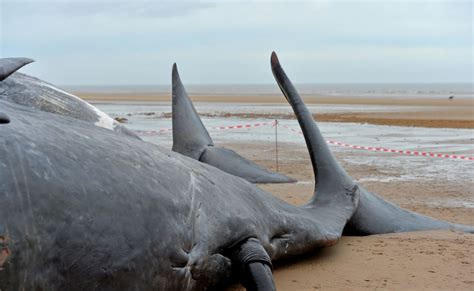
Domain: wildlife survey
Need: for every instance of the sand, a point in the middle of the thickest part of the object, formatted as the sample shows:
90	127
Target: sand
433	260
309	99
421	112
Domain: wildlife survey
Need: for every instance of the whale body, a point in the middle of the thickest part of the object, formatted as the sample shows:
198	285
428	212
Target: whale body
32	92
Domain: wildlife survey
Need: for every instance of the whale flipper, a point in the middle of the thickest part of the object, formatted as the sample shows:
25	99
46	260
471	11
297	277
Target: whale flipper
373	215
190	138
255	266
10	65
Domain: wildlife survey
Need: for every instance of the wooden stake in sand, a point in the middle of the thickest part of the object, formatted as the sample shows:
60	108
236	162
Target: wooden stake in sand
276	143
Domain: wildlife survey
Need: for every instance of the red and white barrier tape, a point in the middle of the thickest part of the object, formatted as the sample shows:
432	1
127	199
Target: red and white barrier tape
357	147
152	132
249	125
239	126
387	150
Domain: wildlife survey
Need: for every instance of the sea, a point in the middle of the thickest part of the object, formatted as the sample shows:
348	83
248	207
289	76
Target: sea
420	90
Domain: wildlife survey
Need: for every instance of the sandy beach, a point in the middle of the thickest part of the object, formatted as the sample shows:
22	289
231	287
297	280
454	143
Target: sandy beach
433	260
422	112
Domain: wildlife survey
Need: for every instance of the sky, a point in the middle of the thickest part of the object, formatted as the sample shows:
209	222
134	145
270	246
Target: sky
230	42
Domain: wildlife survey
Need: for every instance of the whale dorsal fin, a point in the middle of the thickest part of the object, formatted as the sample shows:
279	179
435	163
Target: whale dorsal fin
190	137
10	65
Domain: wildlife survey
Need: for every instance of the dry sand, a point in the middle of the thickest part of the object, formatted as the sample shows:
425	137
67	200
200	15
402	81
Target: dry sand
431	112
433	260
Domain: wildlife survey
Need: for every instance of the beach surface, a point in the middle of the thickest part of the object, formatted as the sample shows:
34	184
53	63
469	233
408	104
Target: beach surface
432	260
439	187
404	111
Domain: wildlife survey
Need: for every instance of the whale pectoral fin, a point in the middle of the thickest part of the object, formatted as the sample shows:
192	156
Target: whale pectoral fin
254	266
259	277
10	65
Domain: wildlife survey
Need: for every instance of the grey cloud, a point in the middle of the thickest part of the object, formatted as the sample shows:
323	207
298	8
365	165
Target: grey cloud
148	9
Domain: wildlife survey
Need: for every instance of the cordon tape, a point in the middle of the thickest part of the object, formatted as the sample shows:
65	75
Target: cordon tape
331	142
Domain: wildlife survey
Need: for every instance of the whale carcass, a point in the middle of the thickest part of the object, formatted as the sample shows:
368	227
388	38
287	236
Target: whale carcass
188	135
191	139
79	214
34	93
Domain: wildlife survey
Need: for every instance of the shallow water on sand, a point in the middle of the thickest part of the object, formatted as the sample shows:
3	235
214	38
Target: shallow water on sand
215	108
146	117
388	90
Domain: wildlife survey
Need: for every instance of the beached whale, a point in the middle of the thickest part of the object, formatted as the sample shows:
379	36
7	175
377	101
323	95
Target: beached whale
79	214
34	93
190	138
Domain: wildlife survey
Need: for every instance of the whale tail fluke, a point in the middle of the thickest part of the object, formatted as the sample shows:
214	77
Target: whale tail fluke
10	65
231	162
190	137
337	194
335	191
375	215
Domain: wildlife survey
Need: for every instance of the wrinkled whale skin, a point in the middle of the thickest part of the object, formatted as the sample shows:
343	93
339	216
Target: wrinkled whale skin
77	213
32	92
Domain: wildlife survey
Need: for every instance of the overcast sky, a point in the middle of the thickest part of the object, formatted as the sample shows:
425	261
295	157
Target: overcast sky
136	42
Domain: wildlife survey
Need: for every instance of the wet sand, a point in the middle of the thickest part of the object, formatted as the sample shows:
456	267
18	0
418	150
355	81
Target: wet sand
433	260
269	98
421	112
